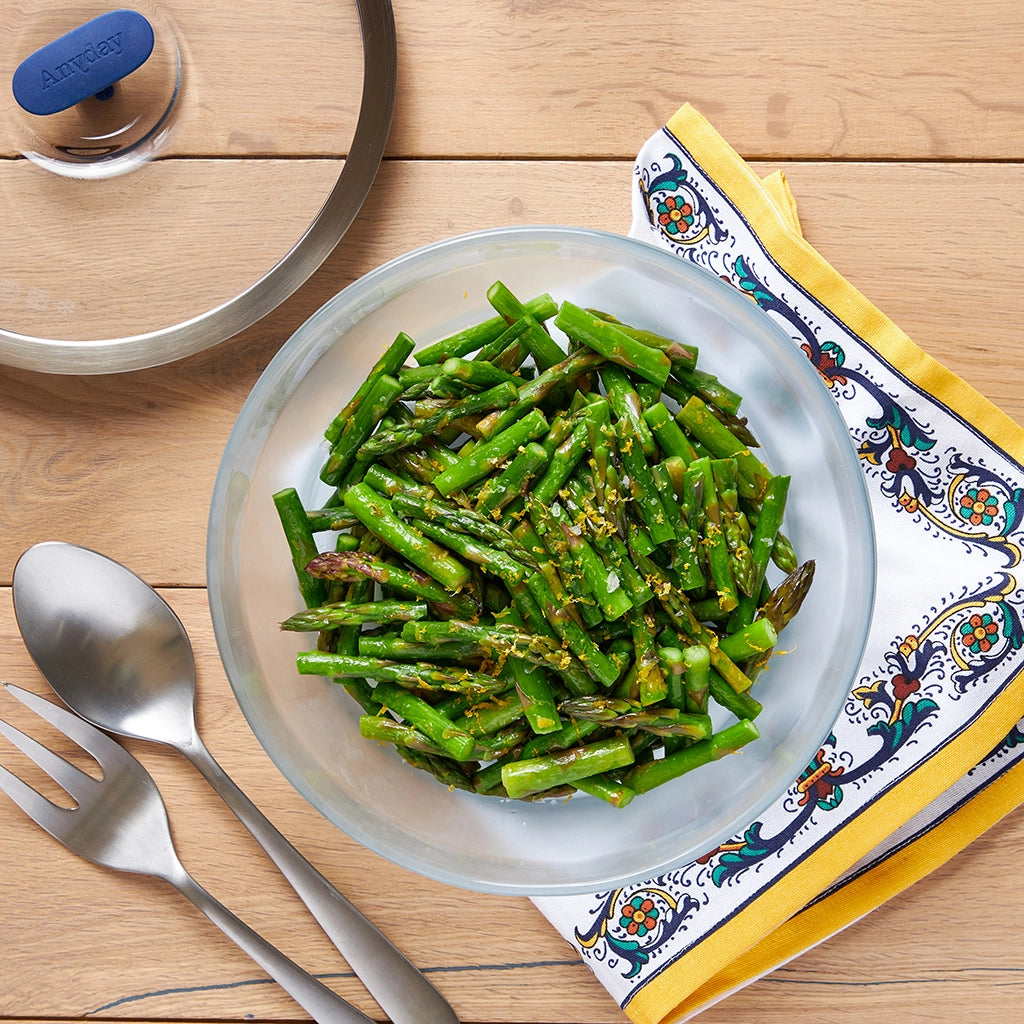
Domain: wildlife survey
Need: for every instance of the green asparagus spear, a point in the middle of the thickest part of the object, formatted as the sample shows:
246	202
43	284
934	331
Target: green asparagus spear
700	422
375	513
299	535
544	348
389	364
613	344
473	338
630	714
354	565
684	357
492	453
500	490
372	409
352	613
644	777
462	520
410	675
766	530
549	771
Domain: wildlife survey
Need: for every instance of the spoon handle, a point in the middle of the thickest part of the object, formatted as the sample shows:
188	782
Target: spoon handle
402	992
323	1005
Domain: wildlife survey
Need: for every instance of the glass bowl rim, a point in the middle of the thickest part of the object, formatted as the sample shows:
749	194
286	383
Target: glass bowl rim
303	349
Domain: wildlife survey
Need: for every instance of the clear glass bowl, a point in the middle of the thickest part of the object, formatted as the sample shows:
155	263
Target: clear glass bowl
309	725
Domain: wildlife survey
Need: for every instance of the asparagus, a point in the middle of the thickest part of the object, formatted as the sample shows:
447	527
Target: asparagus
585	567
613	344
473	338
550	771
544	348
411	675
725	476
749	641
604	585
785	600
372	409
354	565
405	434
625	402
353	613
495	560
492	453
390	647
536	697
563	461
476	373
387	730
644	777
629	714
618	794
668	434
511	483
722	443
375	513
684	357
533	392
762	543
418	713
462	520
389	364
299	535
491	641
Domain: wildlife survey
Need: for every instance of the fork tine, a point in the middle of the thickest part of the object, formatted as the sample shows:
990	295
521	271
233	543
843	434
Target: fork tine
87	736
76	782
42	811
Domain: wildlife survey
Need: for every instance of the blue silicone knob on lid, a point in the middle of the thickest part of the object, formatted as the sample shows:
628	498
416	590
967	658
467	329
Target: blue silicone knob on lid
87	61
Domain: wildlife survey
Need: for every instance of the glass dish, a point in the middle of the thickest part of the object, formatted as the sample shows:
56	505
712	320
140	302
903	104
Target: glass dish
309	726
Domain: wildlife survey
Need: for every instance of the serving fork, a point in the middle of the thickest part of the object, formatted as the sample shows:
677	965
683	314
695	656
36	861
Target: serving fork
120	822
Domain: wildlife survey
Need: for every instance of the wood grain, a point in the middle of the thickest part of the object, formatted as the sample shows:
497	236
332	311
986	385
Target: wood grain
801	80
119	947
564	78
255	82
124	463
132	257
899	127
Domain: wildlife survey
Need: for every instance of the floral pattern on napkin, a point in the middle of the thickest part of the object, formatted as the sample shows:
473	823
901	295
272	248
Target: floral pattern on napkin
947	636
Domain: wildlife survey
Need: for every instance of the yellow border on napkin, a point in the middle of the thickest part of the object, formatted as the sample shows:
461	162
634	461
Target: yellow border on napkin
705	970
864	893
775	228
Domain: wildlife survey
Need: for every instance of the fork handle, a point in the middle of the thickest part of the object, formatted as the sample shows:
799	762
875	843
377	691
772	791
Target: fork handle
400	990
323	1005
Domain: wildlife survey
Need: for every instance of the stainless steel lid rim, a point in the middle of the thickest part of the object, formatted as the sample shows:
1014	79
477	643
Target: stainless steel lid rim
141	351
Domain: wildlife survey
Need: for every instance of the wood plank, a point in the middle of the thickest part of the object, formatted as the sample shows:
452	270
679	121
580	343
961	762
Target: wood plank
846	80
254	82
77	940
148	250
573	79
127	463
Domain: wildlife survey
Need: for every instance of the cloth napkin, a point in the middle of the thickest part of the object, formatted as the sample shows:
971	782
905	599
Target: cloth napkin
928	751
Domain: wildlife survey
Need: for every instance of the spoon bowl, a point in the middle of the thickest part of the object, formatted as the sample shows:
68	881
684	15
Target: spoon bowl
109	646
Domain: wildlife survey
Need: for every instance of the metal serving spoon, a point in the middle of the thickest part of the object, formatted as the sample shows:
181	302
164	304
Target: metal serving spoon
115	652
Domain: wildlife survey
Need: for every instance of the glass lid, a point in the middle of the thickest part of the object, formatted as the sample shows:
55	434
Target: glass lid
172	171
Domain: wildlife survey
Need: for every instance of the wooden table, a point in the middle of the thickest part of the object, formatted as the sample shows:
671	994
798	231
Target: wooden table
900	128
